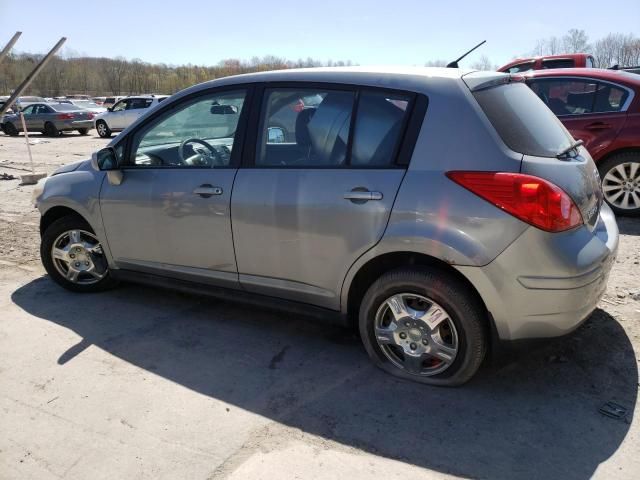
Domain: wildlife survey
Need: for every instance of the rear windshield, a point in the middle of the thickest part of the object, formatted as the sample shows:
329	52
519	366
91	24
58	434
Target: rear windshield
524	123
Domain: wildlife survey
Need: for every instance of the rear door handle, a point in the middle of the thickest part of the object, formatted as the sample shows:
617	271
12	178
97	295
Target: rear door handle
206	190
598	126
362	195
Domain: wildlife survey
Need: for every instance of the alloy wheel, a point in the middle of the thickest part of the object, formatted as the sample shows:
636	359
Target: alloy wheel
78	256
416	334
621	186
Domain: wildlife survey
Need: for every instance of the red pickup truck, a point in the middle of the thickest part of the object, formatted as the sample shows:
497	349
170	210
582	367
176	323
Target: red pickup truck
572	60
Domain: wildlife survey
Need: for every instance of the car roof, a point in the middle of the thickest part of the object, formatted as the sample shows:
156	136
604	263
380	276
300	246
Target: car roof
617	76
391	77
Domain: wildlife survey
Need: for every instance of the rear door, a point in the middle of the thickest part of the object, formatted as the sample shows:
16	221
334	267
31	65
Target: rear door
317	191
135	108
592	110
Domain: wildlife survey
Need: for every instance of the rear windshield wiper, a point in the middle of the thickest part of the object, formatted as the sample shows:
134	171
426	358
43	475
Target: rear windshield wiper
573	146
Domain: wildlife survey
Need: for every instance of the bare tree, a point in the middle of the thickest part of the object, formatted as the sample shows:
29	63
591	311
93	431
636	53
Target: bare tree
436	63
483	64
575	41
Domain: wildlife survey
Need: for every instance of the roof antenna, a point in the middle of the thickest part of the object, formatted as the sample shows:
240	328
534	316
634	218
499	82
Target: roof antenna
454	64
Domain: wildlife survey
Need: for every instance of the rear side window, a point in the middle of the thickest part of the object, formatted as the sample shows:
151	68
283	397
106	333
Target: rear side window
522	67
379	123
140	103
523	122
559	63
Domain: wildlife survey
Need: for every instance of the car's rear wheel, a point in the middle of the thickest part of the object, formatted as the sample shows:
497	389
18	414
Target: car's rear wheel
621	183
50	130
424	325
73	257
103	129
83	131
10	129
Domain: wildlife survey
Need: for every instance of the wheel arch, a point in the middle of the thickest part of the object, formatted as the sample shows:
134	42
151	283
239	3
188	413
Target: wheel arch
373	268
616	152
56	213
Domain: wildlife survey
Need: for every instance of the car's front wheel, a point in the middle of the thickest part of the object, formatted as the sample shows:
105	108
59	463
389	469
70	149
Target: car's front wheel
73	256
103	129
10	129
424	325
621	183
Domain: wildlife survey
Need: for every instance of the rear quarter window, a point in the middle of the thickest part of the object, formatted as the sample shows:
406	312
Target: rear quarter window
523	121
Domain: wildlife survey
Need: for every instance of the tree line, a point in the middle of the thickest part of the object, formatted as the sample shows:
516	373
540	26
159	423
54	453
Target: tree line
118	76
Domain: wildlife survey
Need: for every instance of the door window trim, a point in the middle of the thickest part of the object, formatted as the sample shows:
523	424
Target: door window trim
411	124
597	81
167	107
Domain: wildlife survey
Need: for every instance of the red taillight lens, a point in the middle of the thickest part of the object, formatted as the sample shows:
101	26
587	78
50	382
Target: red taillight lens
65	116
531	199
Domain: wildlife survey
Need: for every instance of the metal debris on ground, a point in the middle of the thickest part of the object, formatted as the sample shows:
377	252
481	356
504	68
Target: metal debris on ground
613	410
7	176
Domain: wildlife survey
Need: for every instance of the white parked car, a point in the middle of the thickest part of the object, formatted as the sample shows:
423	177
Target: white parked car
124	113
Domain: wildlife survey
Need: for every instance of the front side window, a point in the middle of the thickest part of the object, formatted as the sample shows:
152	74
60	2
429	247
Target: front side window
28	110
566	96
120	106
200	133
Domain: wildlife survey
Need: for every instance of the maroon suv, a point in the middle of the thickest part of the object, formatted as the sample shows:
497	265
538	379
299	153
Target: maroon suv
602	108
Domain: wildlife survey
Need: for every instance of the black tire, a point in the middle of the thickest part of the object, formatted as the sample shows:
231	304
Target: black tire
464	309
50	130
83	131
609	165
103	129
10	129
53	231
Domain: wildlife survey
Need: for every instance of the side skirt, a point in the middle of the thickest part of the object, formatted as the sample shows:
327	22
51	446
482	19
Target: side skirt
237	296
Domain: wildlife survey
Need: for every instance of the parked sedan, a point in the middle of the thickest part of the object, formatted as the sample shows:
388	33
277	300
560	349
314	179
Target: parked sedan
428	228
50	119
602	108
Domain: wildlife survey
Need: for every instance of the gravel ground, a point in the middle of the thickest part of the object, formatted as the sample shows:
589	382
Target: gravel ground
138	383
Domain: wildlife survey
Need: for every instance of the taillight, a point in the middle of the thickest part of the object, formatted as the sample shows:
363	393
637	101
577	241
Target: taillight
531	199
65	116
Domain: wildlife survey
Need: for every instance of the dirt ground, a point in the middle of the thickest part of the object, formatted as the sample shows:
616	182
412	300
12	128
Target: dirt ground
142	383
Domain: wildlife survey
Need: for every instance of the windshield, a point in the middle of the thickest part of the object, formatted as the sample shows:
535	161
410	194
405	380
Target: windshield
523	121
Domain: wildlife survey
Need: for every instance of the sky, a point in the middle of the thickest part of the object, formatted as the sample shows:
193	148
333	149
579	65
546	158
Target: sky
367	32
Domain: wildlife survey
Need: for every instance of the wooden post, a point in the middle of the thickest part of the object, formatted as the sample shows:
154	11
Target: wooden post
26	137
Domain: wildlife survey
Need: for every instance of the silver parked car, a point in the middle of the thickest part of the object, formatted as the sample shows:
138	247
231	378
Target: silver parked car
50	119
433	208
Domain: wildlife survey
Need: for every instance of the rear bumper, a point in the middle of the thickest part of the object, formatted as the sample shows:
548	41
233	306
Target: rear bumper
546	285
74	125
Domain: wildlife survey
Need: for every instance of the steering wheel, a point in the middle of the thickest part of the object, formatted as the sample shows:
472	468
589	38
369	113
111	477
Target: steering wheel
198	159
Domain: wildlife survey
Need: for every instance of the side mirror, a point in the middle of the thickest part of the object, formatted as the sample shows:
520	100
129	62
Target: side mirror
217	109
105	159
275	135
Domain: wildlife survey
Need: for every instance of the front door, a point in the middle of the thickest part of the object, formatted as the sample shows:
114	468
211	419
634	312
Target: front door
116	117
171	213
320	190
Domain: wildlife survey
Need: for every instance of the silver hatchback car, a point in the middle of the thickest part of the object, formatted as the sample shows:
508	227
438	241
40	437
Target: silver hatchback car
436	209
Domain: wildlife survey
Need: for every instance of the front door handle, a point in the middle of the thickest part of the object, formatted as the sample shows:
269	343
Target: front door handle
362	195
598	126
206	190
